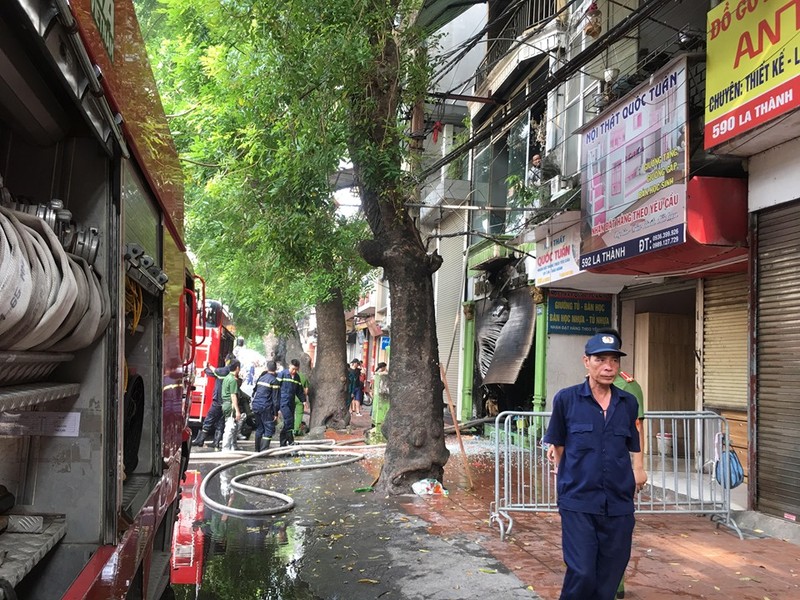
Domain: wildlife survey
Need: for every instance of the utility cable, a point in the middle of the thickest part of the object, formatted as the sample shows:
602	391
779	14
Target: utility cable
615	34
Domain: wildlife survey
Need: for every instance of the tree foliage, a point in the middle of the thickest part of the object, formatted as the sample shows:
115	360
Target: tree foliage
269	96
260	218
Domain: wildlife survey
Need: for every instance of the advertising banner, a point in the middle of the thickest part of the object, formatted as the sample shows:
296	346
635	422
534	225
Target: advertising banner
633	172
577	313
557	256
753	65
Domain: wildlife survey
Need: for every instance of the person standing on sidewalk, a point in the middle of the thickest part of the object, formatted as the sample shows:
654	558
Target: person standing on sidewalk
591	433
356	387
230	406
291	386
265	406
627	383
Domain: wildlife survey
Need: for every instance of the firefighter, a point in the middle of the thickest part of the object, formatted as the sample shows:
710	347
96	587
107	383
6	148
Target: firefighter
265	406
214	418
290	386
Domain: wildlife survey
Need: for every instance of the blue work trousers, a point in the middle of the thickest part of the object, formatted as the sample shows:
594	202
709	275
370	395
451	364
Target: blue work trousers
596	549
287	412
214	419
265	423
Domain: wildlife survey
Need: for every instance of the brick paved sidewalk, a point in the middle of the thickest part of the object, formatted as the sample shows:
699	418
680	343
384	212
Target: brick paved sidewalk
674	556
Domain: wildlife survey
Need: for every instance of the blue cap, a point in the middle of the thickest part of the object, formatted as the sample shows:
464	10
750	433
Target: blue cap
603	343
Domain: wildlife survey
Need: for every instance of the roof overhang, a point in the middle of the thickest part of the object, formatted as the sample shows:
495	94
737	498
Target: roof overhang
437	13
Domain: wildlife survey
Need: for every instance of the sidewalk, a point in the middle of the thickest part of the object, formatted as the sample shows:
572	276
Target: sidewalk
674	556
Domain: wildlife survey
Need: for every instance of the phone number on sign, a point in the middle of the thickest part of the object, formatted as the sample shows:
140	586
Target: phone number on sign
664	235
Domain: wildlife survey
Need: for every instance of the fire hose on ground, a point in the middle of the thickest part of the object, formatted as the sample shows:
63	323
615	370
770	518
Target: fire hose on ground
321	448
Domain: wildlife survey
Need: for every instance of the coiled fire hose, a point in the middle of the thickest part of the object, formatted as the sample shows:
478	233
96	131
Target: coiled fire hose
300	448
51	300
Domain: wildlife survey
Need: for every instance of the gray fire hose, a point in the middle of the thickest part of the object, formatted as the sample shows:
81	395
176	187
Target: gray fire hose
50	300
308	449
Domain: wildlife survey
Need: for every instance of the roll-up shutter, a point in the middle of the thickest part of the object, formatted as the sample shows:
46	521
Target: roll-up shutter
725	356
449	295
778	361
647	290
725	345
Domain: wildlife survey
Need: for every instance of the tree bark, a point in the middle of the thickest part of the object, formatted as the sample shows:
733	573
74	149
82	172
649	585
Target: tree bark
414	425
329	382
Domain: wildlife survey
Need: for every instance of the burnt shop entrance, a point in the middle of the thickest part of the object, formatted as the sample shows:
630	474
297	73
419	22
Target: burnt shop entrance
657	323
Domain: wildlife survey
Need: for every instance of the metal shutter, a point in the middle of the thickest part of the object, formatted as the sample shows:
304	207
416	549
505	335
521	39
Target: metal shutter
778	361
449	295
725	342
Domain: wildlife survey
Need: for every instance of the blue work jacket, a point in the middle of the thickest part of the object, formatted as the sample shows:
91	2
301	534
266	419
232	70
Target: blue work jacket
218	373
595	474
290	387
265	395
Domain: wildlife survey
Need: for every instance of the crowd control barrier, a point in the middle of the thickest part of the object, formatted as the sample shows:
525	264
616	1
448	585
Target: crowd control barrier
679	457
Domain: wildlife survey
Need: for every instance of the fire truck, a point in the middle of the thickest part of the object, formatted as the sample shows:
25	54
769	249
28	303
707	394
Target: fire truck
215	339
97	307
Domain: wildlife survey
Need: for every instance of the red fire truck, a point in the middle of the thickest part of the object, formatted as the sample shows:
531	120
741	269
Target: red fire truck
215	339
97	307
188	544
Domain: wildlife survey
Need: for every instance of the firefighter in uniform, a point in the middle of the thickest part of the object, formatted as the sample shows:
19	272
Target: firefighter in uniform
265	406
291	386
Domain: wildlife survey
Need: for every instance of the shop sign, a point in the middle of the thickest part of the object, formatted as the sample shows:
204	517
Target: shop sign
753	65
385	341
557	256
633	172
577	313
103	14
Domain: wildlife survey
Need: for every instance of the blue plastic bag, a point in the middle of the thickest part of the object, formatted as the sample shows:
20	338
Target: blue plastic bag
728	470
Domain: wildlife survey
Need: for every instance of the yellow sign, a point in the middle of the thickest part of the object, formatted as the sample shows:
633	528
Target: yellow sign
753	68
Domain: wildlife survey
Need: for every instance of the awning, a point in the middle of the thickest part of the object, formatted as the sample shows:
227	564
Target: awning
437	13
514	341
716	234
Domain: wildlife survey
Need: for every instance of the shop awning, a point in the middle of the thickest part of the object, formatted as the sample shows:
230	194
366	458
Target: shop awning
716	234
515	339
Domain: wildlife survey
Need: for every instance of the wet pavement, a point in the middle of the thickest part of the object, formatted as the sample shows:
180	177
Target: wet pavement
340	543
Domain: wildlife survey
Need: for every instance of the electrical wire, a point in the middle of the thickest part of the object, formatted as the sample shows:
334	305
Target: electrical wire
134	302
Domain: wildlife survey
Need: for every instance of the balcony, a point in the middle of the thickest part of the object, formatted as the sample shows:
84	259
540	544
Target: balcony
525	34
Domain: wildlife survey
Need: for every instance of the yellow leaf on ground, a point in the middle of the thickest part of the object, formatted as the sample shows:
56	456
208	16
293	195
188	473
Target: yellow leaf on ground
368	581
489	571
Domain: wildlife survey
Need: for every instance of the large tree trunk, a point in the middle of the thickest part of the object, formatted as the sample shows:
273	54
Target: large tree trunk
414	425
329	382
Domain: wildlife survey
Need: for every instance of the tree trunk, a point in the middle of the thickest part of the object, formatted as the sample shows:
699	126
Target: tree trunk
414	425
329	382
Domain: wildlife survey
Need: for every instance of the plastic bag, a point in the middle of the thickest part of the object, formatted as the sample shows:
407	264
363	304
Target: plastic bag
428	487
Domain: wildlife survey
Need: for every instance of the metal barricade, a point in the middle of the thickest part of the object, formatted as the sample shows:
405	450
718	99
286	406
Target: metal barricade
679	457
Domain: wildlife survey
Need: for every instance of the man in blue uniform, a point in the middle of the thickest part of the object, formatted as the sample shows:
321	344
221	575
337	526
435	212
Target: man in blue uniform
265	406
291	386
592	432
214	419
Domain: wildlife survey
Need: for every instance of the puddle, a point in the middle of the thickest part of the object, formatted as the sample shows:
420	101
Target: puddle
222	557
